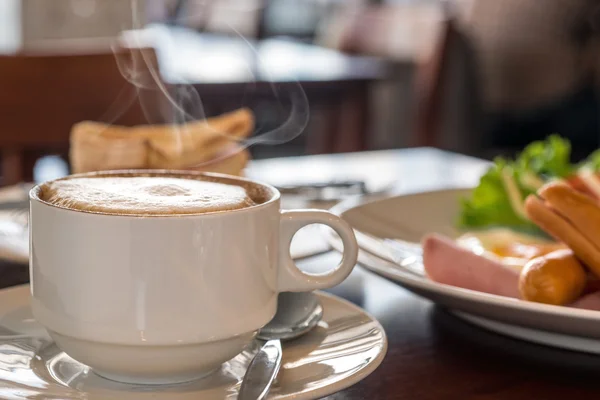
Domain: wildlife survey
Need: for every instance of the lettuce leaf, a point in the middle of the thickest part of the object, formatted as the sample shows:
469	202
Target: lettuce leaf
592	162
495	203
550	158
490	205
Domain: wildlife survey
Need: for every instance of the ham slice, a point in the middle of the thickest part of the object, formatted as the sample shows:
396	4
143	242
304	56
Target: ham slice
447	263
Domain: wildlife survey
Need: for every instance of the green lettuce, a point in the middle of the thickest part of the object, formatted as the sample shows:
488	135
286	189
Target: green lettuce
499	197
550	158
489	204
592	162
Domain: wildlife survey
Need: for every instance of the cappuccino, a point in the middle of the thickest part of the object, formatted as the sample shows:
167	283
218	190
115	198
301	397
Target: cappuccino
149	194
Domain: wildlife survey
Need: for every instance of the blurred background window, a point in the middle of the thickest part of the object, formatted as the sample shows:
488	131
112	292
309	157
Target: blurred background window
480	77
10	25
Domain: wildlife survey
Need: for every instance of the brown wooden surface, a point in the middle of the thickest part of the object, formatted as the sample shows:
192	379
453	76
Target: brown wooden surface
432	355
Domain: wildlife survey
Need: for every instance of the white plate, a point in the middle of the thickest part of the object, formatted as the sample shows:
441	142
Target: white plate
405	219
344	348
14	237
576	343
14	234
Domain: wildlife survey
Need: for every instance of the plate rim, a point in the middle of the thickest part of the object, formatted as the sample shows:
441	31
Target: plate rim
393	271
536	336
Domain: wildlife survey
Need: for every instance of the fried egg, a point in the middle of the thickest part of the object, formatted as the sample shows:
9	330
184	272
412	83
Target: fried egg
511	248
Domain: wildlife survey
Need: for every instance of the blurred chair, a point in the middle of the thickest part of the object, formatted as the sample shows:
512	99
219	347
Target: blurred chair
446	66
404	33
400	32
503	74
48	89
430	79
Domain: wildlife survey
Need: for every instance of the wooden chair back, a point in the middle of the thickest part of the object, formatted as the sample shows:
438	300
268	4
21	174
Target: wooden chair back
44	92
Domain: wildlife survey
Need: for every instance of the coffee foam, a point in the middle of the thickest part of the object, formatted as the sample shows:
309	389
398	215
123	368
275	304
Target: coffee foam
151	194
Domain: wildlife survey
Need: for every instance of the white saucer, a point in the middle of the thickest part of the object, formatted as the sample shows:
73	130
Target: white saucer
344	348
388	231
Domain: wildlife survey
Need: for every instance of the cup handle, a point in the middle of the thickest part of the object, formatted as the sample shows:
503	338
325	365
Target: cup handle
291	279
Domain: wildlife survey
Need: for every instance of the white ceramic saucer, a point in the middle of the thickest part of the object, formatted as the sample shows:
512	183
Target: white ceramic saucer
344	348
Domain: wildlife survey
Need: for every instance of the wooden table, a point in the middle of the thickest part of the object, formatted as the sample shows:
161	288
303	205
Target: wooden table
432	355
231	72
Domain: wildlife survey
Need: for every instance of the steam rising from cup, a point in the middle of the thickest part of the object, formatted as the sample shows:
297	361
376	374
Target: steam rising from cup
182	100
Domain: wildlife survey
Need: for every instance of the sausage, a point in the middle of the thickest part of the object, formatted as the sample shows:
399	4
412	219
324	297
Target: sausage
556	278
562	228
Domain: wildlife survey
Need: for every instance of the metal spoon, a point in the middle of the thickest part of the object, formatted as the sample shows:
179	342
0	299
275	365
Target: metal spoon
297	313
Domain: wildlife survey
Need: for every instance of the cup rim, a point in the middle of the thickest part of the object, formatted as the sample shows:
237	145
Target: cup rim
275	195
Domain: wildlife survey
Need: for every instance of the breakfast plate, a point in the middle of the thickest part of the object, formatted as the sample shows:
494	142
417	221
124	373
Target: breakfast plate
389	231
344	348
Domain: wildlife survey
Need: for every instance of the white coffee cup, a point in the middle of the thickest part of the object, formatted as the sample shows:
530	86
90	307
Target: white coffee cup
164	299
